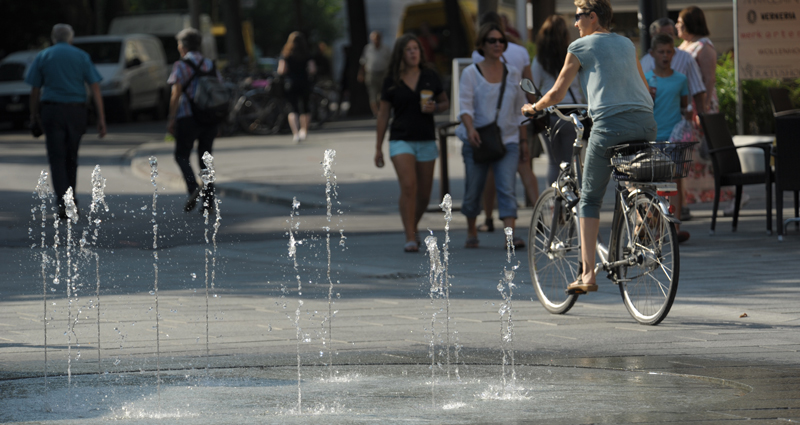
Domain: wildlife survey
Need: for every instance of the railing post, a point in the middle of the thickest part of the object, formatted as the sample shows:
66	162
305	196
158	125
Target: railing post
444	176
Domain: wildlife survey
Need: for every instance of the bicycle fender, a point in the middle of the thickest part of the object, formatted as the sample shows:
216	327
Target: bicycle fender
662	203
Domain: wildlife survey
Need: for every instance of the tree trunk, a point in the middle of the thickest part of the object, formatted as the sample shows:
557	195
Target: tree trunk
194	13
298	13
486	6
357	20
542	9
234	42
458	43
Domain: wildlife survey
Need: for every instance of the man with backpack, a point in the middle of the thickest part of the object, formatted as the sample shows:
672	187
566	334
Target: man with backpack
198	103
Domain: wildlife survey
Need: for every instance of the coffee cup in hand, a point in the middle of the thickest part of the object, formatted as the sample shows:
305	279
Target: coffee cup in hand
424	97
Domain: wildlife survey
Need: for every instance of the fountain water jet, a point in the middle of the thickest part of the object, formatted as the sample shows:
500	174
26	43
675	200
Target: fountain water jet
153	174
209	176
330	188
45	195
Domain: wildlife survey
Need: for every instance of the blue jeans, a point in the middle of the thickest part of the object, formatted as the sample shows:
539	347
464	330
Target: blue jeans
505	173
609	132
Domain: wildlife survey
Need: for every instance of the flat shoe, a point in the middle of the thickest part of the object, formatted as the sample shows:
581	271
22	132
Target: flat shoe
471	243
578	287
411	246
518	243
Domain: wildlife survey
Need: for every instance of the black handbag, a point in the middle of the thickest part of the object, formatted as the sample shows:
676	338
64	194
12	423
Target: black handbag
492	147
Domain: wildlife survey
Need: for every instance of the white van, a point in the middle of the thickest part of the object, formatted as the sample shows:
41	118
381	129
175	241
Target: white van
134	71
165	26
14	93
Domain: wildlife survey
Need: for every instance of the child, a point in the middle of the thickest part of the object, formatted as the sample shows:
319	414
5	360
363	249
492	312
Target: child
670	92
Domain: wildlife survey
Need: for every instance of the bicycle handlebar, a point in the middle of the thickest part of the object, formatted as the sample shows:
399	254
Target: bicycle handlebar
556	109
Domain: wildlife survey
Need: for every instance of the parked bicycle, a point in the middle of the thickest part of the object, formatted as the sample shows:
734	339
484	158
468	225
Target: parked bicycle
265	110
642	256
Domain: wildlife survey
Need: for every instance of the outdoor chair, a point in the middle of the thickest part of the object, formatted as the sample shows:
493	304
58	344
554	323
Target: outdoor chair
781	103
787	172
728	169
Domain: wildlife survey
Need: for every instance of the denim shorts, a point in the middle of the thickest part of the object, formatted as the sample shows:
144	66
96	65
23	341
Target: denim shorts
614	130
424	151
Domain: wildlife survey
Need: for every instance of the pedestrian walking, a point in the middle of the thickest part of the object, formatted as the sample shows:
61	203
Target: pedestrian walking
684	63
692	29
489	97
551	50
374	62
58	103
670	92
297	68
182	123
515	56
414	93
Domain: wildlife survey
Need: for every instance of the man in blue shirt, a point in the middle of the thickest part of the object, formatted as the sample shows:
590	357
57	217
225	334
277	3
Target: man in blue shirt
57	77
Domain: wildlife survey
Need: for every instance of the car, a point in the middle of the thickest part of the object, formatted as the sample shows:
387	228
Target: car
14	93
134	71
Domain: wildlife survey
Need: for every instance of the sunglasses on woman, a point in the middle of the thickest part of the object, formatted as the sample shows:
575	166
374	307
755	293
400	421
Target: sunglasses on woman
578	15
492	40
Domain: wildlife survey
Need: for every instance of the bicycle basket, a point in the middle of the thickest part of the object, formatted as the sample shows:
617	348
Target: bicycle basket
651	161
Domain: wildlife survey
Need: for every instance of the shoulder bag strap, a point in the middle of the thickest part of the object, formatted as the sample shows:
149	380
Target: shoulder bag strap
502	91
188	83
574	99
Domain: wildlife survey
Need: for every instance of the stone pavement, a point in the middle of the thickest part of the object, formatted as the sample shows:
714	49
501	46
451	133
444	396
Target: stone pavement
380	293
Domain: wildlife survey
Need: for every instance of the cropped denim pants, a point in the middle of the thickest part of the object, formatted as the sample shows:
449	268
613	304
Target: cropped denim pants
612	131
505	174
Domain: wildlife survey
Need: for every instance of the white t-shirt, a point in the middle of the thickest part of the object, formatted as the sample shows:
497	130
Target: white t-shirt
478	99
544	82
376	59
515	55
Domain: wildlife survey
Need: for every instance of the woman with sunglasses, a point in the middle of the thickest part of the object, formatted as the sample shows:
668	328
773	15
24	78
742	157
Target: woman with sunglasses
620	107
479	92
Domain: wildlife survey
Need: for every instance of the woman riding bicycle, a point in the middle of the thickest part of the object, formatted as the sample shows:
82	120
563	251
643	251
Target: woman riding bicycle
621	110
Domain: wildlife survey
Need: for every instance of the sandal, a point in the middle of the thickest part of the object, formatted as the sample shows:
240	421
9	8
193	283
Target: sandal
487	226
578	287
471	242
518	243
411	246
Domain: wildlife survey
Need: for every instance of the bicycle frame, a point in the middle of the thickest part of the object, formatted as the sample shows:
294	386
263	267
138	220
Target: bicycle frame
569	182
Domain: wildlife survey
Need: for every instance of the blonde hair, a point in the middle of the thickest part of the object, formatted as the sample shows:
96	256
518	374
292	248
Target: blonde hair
602	8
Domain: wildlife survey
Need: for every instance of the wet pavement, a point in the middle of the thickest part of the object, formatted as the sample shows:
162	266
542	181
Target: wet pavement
728	349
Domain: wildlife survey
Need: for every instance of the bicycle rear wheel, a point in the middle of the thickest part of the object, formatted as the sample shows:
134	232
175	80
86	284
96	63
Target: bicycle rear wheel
644	234
556	264
262	114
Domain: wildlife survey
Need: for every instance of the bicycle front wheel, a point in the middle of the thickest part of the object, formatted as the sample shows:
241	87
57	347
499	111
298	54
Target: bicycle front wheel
649	240
554	252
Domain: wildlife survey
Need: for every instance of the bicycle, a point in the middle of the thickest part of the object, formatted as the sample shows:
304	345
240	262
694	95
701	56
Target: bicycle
264	110
642	257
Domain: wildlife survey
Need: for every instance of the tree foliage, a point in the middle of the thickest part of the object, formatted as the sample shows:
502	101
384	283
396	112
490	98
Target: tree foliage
756	105
274	20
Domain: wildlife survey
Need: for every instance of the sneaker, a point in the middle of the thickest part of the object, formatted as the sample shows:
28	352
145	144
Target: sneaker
302	135
683	236
296	138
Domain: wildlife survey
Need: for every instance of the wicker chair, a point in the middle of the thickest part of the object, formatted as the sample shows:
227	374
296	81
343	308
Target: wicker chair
728	169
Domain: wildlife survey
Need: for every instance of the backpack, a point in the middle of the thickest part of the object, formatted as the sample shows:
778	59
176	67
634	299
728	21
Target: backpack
211	98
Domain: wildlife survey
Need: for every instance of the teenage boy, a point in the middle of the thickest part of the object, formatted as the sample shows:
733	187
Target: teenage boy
670	92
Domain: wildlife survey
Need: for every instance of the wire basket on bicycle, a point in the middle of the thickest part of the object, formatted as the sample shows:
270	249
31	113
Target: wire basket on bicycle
651	161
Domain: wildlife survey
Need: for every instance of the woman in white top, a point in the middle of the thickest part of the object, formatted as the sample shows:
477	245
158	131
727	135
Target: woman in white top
479	90
551	47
